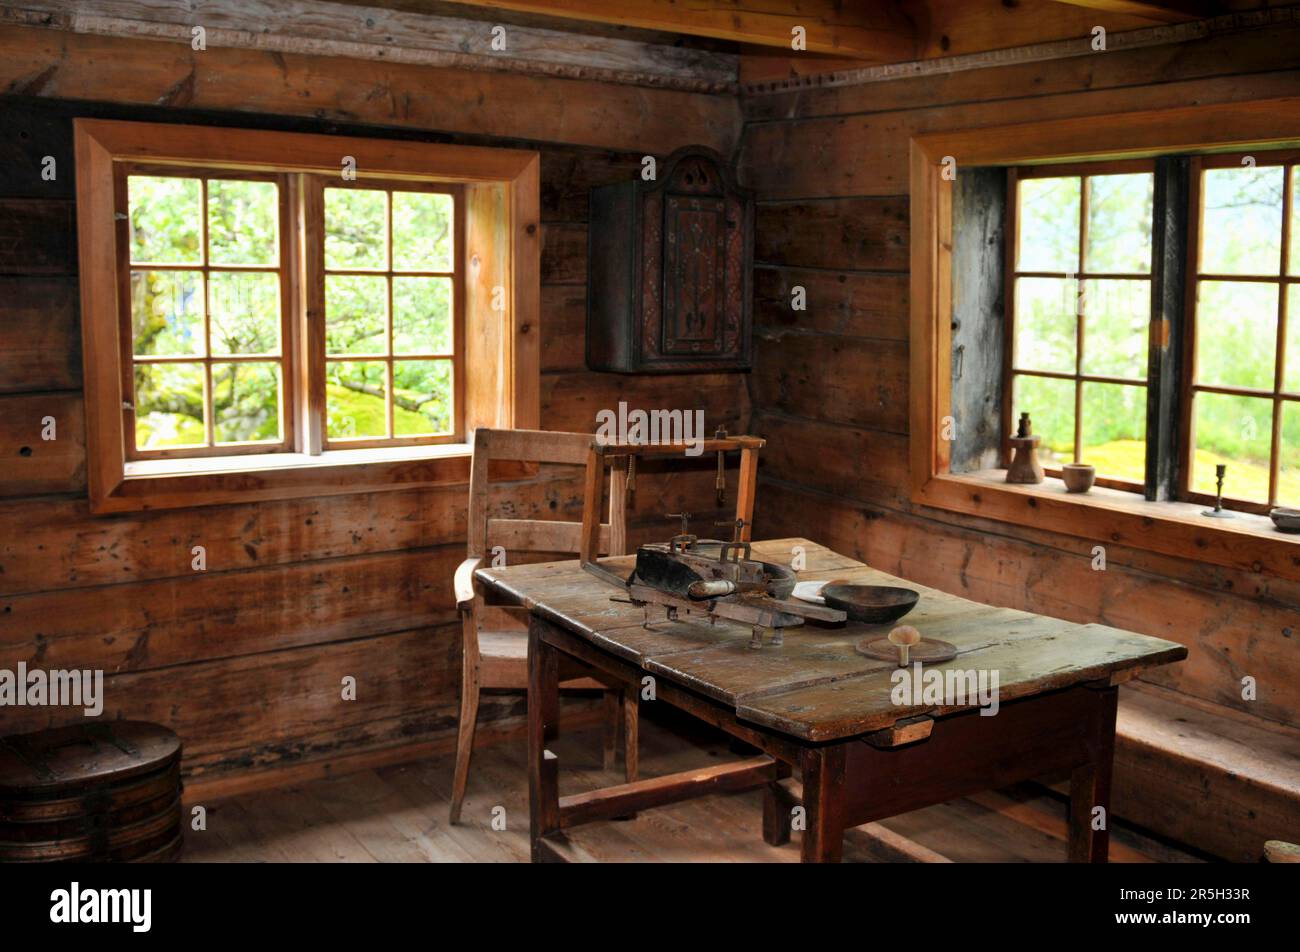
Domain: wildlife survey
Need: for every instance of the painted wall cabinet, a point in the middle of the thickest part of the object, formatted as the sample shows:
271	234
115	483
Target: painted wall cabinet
669	274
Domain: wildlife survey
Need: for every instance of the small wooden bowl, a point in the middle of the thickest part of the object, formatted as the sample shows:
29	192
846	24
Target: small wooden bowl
874	604
1286	520
1078	477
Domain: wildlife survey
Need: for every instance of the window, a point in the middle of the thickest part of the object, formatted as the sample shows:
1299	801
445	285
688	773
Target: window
393	337
1242	402
1078	313
1078	310
204	318
206	314
270	315
958	288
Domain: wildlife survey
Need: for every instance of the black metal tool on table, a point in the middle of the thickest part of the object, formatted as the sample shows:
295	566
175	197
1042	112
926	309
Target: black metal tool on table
713	579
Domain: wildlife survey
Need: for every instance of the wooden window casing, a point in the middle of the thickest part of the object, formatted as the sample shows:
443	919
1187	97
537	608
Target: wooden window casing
496	299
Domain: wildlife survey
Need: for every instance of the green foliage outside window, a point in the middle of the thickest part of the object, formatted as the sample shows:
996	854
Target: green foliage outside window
206	287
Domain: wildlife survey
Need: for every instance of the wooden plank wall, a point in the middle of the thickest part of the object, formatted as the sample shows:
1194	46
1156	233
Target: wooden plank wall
830	387
245	660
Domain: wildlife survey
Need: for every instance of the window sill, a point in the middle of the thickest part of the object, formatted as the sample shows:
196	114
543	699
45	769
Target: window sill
1246	542
174	484
268	462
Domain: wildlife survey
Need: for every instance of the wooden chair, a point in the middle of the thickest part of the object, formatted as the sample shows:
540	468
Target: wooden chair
496	639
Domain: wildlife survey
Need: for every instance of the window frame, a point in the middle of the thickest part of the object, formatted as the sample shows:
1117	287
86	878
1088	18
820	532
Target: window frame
289	370
318	271
1248	543
1083	170
1288	159
501	253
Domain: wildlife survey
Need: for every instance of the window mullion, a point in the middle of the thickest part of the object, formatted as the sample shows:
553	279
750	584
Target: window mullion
1080	300
388	318
1170	321
209	396
309	272
1279	351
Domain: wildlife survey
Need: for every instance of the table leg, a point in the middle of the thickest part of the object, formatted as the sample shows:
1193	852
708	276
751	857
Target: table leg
543	728
823	801
612	728
777	814
1090	786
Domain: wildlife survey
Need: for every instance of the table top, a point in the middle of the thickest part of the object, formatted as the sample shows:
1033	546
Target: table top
816	687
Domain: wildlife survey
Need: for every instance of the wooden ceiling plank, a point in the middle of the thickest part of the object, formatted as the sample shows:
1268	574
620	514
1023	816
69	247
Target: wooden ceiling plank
876	32
1164	11
330	29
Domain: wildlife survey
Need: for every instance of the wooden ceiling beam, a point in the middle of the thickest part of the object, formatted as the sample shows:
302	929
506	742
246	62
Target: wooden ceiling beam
316	28
1164	11
875	31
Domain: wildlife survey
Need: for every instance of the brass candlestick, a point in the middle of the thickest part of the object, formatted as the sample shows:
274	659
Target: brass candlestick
1025	467
1218	512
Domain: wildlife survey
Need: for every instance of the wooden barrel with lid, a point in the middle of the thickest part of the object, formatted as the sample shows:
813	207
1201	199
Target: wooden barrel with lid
94	792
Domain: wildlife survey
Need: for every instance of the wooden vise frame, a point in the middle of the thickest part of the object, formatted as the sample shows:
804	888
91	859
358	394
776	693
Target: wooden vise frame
602	454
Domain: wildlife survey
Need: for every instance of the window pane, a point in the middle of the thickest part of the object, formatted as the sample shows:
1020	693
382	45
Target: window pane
422	316
356	308
243	222
1119	223
167	313
1288	485
1114	430
166	216
169	406
356	228
1050	405
422	397
1237	431
1045	324
246	402
422	231
1049	225
1241	229
1291	373
1116	326
1236	333
245	312
355	393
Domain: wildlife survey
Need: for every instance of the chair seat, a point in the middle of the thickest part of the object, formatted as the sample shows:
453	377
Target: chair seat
503	661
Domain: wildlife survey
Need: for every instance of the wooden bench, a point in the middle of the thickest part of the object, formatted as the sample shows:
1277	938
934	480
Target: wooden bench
1205	775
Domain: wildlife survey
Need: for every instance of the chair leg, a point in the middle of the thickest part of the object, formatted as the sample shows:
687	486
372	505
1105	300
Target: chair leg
631	728
612	727
465	735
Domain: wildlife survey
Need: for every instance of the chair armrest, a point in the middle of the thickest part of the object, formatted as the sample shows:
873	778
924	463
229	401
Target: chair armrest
464	583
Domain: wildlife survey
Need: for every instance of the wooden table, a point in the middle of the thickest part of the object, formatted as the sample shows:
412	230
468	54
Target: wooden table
816	705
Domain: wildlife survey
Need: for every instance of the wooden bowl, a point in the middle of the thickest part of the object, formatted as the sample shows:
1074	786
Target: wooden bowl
874	604
1286	520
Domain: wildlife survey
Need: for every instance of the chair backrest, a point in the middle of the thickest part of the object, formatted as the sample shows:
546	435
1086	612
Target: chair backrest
537	535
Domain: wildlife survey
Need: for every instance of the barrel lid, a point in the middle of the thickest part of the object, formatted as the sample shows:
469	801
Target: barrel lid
46	763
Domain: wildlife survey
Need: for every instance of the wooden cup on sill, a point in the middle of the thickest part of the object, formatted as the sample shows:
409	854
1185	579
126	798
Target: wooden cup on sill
1078	477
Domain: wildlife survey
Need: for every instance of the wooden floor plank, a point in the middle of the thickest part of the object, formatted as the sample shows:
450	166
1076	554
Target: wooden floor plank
398	813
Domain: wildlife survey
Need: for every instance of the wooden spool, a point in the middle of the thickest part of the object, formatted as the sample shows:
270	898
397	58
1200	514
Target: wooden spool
95	792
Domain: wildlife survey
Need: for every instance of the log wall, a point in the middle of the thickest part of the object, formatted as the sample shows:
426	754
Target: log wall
245	660
830	387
